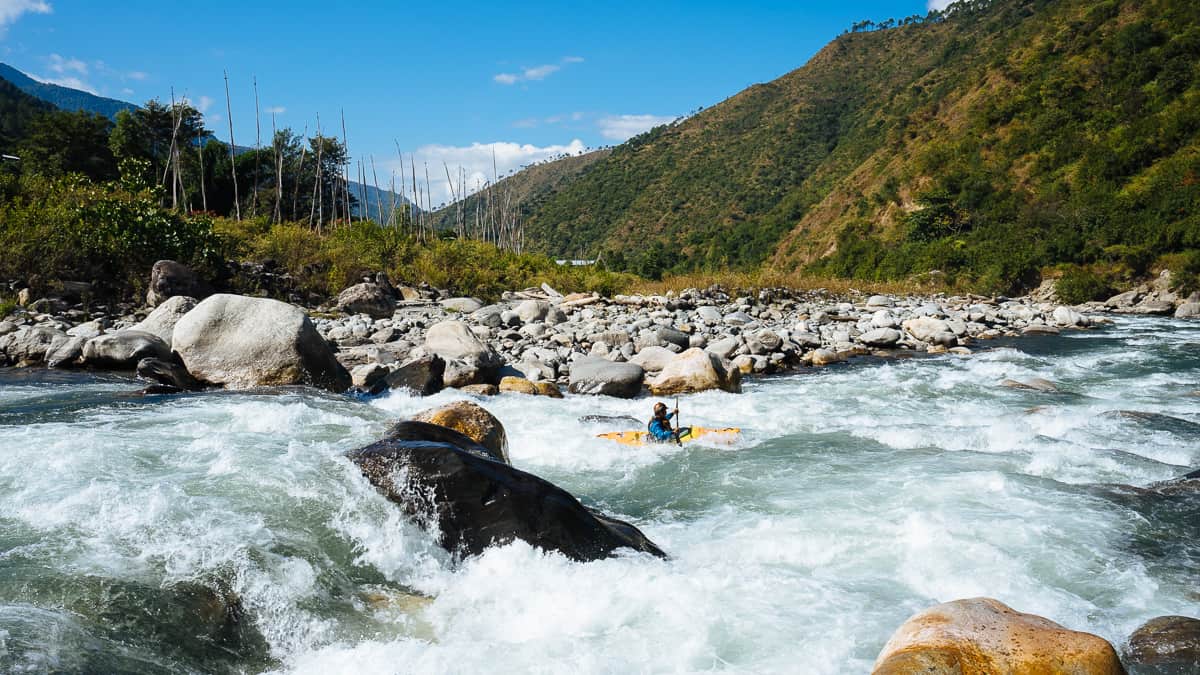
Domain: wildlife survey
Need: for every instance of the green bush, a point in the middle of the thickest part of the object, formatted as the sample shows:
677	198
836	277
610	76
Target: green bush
1079	284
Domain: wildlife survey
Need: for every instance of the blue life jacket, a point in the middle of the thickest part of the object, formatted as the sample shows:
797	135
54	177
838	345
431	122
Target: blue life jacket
661	429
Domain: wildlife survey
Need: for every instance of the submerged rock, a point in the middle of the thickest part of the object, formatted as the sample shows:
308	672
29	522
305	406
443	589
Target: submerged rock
167	372
240	342
982	636
446	479
1165	645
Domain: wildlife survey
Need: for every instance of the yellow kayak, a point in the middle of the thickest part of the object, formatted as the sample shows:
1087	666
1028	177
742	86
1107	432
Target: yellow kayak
726	435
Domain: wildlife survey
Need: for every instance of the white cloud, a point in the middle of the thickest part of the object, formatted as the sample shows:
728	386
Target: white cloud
939	4
474	161
136	75
62	66
11	10
625	127
276	110
536	72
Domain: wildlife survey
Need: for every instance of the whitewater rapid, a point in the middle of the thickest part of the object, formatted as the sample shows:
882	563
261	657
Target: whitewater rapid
857	496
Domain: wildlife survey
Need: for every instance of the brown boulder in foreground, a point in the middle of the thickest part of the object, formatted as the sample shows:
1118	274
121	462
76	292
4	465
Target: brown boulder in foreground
474	422
982	636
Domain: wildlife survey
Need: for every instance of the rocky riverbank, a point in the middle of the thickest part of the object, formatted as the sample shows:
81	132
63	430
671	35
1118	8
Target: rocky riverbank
534	341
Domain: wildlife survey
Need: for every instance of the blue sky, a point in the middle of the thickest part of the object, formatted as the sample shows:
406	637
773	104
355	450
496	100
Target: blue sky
449	82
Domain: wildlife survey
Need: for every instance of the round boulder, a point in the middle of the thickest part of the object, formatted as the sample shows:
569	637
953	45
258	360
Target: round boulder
366	298
981	636
599	376
695	370
454	341
240	342
122	350
1165	645
168	279
162	320
474	422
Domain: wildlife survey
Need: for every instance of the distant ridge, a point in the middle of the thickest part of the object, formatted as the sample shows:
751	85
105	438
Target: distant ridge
64	98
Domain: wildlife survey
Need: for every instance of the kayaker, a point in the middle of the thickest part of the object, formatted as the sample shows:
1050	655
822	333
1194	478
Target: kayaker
660	427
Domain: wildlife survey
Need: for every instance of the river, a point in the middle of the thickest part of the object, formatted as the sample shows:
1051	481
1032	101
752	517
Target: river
224	532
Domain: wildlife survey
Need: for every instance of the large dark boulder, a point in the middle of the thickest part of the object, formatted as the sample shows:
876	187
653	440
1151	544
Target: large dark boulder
473	421
168	372
444	478
169	278
421	376
1165	645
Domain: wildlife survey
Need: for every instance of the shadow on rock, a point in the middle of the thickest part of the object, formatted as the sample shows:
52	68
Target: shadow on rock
449	481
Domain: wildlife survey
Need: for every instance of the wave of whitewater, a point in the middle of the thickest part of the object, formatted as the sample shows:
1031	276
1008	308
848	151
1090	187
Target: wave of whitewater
857	496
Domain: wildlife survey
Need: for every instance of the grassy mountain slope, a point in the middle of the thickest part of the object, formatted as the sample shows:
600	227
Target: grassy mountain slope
1011	134
64	98
17	111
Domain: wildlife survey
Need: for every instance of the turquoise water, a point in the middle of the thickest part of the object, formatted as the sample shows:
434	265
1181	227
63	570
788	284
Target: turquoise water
223	532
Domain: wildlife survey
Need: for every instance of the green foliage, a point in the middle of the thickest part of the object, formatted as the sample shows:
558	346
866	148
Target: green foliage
1080	284
70	228
58	143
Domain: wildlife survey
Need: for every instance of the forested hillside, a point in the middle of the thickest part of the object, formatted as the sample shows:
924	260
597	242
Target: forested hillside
17	112
987	143
64	98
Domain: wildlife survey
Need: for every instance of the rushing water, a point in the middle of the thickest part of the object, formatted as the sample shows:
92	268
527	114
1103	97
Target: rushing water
224	532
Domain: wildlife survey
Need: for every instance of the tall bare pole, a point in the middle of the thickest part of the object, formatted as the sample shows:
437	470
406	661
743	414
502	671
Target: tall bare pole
346	148
257	149
378	201
203	175
237	209
417	201
278	171
318	207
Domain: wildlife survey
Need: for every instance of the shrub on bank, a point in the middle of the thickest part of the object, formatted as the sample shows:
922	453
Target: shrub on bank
1078	285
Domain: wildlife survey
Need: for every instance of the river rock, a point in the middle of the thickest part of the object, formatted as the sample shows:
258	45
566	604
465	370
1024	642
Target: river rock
880	337
369	377
240	342
90	329
169	279
443	478
532	310
454	340
65	352
162	320
367	298
709	314
473	421
517	385
599	376
653	359
1188	310
824	357
168	372
29	344
122	350
981	636
931	330
461	305
724	348
695	370
880	301
1065	316
480	389
423	376
1165	645
1034	384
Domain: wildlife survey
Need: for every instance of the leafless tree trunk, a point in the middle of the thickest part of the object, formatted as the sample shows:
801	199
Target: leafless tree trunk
237	209
257	149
